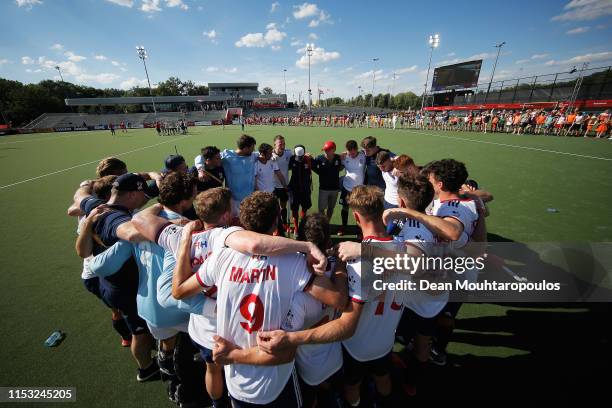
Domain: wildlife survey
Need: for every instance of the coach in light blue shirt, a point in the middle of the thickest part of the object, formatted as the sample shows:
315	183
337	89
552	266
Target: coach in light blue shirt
239	168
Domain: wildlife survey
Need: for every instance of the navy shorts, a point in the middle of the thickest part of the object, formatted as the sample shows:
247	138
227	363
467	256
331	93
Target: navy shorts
301	200
309	392
290	396
126	304
205	352
93	286
355	371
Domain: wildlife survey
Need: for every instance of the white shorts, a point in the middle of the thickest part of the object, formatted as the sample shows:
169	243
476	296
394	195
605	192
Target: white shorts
163	333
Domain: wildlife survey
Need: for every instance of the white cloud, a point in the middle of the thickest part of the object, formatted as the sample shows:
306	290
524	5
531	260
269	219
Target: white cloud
33	71
368	74
274	6
57	47
322	18
100	57
600	56
116	63
550	62
412	68
582	10
124	3
132	82
4	61
211	35
28	4
212	69
601	27
177	3
530	59
296	43
319	55
305	10
578	30
231	70
275	47
272	36
451	54
73	57
313	36
292	81
27	60
150	6
103	78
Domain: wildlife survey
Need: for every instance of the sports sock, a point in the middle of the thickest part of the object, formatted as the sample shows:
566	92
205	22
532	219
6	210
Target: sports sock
121	327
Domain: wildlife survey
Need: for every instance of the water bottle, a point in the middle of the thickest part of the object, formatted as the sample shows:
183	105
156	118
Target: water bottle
55	338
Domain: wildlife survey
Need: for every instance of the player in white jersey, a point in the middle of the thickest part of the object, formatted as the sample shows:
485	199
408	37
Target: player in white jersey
454	220
255	292
267	172
318	365
214	210
281	157
354	164
384	161
368	313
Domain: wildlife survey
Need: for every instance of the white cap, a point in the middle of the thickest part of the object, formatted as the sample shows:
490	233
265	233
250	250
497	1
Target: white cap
299	151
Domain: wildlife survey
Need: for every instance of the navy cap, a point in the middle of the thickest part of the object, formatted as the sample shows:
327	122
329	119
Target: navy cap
131	182
173	161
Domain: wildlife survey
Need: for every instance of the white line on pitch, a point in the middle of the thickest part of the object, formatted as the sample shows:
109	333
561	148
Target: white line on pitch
91	162
511	145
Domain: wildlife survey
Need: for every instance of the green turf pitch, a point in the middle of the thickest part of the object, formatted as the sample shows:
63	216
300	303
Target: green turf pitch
42	290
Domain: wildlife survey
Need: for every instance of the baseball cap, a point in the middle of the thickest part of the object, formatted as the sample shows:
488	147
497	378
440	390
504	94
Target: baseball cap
329	145
173	161
131	182
299	150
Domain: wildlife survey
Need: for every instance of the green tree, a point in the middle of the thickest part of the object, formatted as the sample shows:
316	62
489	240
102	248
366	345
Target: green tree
267	91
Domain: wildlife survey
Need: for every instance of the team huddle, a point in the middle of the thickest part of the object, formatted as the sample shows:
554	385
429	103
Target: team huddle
238	312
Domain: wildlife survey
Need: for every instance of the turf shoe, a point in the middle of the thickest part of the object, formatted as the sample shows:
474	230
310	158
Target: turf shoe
148	374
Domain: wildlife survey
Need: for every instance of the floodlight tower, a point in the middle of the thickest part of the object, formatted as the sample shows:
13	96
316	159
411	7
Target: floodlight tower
434	41
60	72
309	51
499	47
373	79
142	54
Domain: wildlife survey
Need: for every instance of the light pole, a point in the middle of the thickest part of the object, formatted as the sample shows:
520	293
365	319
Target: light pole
309	51
285	79
142	54
499	47
393	86
60	72
373	79
434	41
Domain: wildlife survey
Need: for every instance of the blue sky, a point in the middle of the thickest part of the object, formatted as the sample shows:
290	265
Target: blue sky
93	41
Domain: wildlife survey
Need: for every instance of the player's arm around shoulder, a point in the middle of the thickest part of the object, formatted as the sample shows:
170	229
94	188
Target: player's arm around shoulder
332	291
110	261
226	352
338	329
148	222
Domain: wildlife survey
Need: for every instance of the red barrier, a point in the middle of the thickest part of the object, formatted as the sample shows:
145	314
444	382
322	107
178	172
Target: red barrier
599	104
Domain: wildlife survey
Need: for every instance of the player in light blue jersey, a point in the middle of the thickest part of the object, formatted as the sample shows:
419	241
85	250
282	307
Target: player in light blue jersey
177	192
239	168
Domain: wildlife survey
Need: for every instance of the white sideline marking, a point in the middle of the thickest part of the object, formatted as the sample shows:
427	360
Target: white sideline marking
91	162
511	145
41	139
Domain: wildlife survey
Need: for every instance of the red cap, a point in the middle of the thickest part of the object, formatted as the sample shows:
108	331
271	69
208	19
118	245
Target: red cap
329	145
